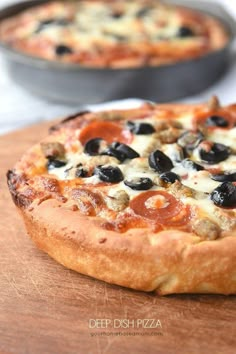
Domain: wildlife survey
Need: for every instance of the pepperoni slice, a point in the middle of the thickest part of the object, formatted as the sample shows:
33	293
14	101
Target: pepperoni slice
156	205
108	131
181	219
229	116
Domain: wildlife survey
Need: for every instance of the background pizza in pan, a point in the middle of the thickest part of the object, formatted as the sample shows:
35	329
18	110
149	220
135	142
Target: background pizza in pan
114	34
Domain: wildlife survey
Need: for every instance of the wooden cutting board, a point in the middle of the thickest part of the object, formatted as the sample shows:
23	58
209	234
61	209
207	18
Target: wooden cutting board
45	308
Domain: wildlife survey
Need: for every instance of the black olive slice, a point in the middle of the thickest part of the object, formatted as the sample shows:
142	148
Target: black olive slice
125	149
53	163
52	21
118	37
116	14
217	121
44	24
144	11
62	49
169	177
119	155
160	162
140	128
62	22
81	172
189	140
191	165
178	154
47	22
184	32
213	152
224	177
224	195
92	146
110	174
139	183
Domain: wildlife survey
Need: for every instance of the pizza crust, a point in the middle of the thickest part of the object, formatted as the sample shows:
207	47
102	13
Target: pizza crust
167	262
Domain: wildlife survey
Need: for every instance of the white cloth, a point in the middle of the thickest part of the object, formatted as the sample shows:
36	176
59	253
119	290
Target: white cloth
19	108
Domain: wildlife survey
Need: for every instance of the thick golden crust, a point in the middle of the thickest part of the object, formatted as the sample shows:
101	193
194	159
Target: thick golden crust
174	260
115	34
167	262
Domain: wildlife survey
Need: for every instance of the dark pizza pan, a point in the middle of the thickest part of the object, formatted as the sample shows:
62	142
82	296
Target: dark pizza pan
74	84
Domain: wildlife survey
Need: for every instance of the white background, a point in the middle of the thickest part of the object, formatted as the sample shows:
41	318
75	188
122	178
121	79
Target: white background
19	108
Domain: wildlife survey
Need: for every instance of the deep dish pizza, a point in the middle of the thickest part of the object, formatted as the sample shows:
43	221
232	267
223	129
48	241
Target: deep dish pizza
113	34
144	198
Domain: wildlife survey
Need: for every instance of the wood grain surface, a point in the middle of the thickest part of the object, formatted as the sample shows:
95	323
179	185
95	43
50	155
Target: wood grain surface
45	308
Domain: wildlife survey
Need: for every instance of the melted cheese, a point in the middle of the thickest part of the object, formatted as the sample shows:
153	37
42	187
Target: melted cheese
199	181
94	21
228	139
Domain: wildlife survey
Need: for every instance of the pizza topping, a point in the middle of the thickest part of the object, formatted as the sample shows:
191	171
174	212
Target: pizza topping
206	229
94	146
213	103
184	32
143	11
88	202
81	172
199	181
126	150
108	173
169	177
191	165
116	14
175	152
136	159
140	128
189	140
224	195
181	219
213	153
51	21
160	162
63	49
108	131
78	172
147	147
225	218
179	190
44	24
169	136
224	177
217	121
110	151
100	160
53	149
221	119
139	183
156	205
67	171
54	163
157	201
117	200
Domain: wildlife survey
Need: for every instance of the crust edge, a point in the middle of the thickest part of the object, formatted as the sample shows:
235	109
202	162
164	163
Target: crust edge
165	264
